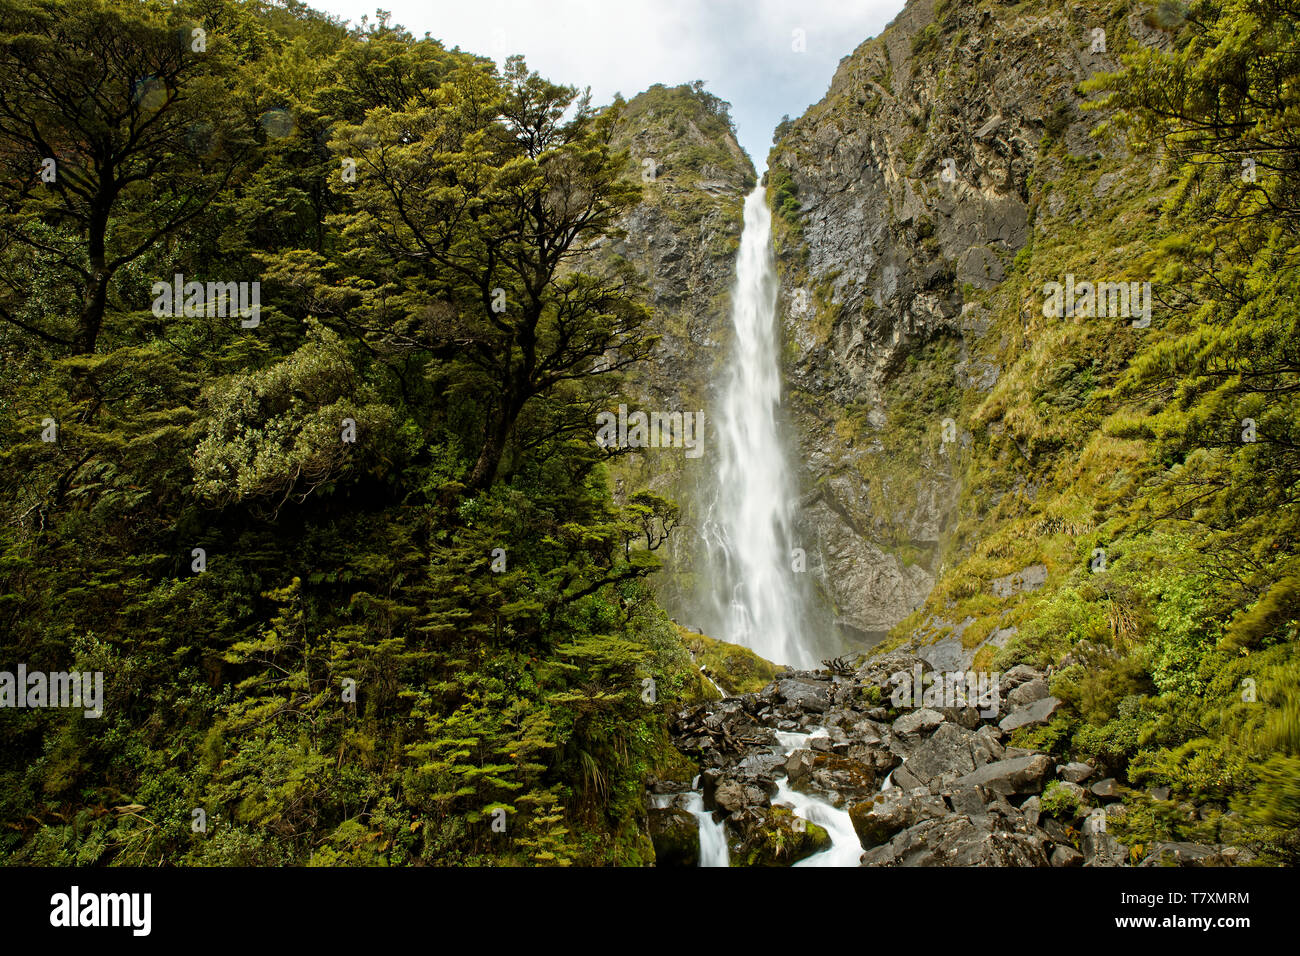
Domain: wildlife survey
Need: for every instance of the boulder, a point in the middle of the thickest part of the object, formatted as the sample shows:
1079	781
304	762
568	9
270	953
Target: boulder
774	836
760	767
968	717
968	801
1008	777
733	795
837	778
985	747
946	753
798	765
878	819
709	778
915	722
1028	692
1039	712
822	745
676	837
1108	789
1075	772
1020	674
808	695
1066	856
1032	809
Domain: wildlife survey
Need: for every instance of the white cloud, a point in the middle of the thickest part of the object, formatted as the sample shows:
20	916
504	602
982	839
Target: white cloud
742	49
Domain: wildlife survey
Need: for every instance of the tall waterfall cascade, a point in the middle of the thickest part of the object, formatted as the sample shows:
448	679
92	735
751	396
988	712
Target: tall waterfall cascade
749	530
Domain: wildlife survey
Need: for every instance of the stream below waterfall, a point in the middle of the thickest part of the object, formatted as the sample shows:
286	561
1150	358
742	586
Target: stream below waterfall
845	848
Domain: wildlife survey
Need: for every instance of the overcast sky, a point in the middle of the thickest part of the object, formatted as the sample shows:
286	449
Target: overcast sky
742	49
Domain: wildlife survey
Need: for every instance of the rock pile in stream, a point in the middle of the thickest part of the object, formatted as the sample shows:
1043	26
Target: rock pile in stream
923	786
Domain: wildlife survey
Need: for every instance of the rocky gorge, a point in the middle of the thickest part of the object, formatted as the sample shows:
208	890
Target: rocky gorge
922	786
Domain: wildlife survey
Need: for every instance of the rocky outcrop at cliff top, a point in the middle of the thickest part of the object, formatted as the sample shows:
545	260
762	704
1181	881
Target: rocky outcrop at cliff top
681	241
957	794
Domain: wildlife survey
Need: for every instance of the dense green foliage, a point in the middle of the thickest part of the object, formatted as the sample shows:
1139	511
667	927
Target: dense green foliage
1154	472
352	571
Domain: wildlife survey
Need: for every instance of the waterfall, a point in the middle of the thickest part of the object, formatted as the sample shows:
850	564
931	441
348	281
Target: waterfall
749	529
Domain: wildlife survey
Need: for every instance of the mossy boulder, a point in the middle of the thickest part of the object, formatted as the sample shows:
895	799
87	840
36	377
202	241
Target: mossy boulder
877	820
676	837
774	836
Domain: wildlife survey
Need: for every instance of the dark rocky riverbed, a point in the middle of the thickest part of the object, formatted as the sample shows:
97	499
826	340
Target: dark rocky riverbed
923	786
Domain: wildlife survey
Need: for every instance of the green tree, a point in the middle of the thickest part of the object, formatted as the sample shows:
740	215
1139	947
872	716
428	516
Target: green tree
141	135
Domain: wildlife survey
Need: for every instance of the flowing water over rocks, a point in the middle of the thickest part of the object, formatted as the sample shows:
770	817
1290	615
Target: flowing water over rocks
818	769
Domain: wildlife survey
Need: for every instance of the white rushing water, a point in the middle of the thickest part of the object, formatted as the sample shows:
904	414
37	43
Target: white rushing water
845	848
749	529
713	834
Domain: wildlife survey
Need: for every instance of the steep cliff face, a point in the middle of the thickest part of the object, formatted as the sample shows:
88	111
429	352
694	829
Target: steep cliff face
682	241
903	198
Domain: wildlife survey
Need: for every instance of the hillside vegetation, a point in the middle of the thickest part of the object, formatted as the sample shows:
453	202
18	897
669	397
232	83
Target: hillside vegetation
1128	493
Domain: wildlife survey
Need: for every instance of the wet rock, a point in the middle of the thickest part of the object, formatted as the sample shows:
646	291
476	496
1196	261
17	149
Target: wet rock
878	759
655	785
676	837
838	778
709	778
821	745
798	765
733	795
761	766
679	801
1159	793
